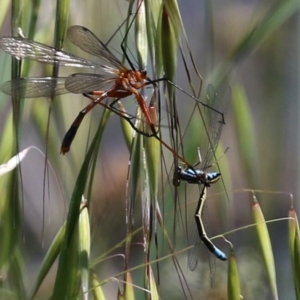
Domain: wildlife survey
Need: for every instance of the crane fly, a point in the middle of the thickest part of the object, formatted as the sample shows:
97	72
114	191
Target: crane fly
204	179
118	82
123	81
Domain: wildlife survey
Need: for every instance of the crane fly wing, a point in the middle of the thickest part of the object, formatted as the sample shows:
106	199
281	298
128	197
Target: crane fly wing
89	42
27	49
83	83
35	87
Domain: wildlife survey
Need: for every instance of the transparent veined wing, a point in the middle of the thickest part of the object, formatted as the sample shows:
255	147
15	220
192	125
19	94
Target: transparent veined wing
89	42
84	83
27	49
34	87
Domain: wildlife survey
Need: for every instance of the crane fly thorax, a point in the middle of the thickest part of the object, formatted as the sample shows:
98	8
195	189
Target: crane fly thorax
131	79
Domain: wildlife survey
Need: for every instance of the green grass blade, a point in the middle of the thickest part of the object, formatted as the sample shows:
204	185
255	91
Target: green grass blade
153	158
141	37
127	130
265	245
10	228
244	128
233	279
10	218
129	290
63	274
97	142
34	16
84	250
294	249
169	42
159	47
172	9
296	264
4	10
152	9
133	184
61	22
96	288
16	274
48	260
153	286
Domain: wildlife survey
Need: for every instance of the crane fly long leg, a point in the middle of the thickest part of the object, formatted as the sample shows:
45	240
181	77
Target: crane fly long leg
201	230
127	81
146	110
115	94
69	136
